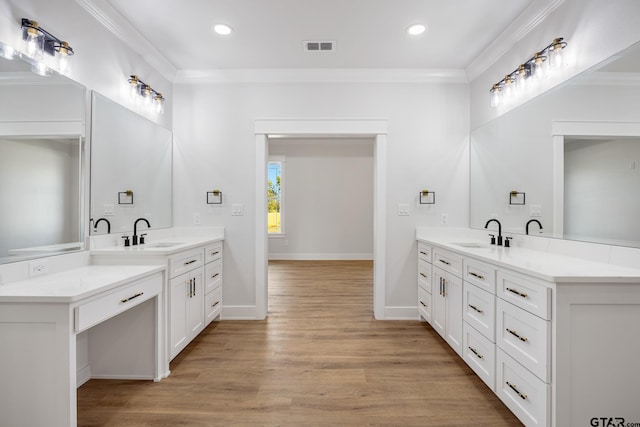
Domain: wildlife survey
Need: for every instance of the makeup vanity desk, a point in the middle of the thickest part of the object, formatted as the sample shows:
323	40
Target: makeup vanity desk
116	311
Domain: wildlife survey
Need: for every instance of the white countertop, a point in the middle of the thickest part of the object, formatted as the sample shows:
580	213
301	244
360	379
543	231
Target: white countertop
551	267
161	246
74	284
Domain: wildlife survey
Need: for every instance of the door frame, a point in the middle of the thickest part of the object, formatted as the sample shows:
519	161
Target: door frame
376	129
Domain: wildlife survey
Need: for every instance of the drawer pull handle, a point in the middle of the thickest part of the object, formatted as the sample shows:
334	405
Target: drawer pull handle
215	253
515	388
476	308
190	262
474	351
133	297
517	293
476	275
215	275
423	253
423	275
515	334
444	261
215	303
423	304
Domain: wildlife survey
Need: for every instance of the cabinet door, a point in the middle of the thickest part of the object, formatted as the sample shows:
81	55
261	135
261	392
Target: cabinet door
195	304
179	292
453	312
438	313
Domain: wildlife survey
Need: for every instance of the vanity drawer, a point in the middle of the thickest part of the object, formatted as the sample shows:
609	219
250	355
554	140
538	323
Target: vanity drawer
213	275
479	310
213	252
185	261
448	261
525	292
480	274
424	252
480	355
424	275
524	337
213	305
424	304
523	393
121	299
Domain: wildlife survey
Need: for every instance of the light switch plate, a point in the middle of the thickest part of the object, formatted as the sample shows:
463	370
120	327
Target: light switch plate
535	210
237	209
109	210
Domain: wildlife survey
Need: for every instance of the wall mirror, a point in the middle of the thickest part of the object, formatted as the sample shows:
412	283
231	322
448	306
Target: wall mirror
42	123
584	131
130	169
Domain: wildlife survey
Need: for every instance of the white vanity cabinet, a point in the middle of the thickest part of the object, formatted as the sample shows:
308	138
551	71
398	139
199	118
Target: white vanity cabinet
186	299
194	288
425	300
447	297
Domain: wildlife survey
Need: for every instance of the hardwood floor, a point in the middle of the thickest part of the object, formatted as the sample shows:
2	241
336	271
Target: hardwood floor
319	359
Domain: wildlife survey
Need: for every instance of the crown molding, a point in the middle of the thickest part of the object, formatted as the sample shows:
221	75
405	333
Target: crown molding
601	78
323	75
113	21
533	15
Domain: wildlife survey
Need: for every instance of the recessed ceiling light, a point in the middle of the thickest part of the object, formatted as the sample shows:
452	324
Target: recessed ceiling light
416	29
222	29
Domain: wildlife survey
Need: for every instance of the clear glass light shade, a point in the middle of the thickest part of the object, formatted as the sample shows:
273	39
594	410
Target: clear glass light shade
539	67
509	90
41	69
33	42
147	97
133	88
158	104
556	58
496	96
7	52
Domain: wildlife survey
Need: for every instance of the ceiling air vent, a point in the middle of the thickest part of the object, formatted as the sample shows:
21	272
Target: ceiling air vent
319	46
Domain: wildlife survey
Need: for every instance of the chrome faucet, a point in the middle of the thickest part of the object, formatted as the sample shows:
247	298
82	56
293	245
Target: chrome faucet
499	229
135	230
529	222
95	224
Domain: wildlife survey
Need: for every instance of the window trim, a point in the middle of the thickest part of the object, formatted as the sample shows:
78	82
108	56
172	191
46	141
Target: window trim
282	160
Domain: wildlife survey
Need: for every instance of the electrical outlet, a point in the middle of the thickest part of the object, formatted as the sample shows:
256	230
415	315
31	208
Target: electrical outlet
39	267
444	219
403	209
108	210
535	210
196	218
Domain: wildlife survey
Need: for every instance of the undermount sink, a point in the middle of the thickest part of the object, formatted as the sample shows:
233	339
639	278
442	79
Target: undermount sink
470	245
162	244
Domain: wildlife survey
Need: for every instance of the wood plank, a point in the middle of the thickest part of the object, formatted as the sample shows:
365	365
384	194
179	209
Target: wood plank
319	358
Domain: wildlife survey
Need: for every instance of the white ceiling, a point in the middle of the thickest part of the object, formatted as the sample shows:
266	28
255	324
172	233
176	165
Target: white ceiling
368	33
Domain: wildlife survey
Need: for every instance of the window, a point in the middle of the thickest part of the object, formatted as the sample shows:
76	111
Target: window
275	199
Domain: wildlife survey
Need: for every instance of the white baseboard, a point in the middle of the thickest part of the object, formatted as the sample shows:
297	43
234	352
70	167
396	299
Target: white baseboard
83	375
318	257
239	312
401	313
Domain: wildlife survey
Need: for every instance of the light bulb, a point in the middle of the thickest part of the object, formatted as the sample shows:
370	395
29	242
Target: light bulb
33	39
147	97
556	56
133	88
509	89
539	70
64	58
496	95
158	103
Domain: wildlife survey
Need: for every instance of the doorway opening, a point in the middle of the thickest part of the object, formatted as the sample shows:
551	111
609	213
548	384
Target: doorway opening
376	131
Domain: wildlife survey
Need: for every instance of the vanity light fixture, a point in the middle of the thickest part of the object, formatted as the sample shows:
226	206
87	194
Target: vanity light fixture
427	197
150	98
537	67
38	41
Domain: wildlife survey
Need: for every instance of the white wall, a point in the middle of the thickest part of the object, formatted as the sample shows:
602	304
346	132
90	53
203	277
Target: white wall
594	30
102	61
328	192
601	175
215	148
